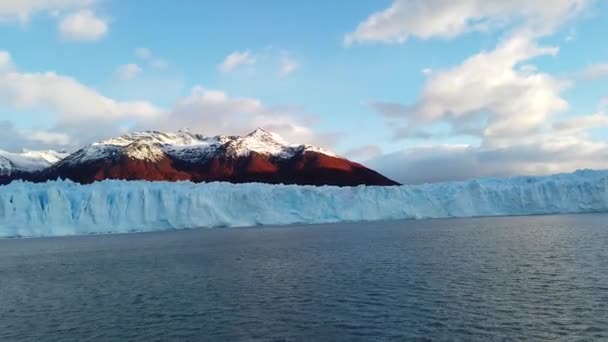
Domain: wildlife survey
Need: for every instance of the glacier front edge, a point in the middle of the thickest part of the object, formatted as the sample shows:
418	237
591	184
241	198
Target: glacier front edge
66	208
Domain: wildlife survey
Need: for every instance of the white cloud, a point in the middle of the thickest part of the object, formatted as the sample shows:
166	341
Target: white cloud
6	62
447	18
364	153
128	71
214	112
595	71
71	105
270	60
546	155
70	99
82	114
65	95
288	66
582	123
487	96
603	106
47	138
13	139
236	59
83	25
22	10
508	105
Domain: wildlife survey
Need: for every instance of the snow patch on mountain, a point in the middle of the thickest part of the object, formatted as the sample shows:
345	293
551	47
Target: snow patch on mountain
180	138
66	208
143	151
260	141
152	145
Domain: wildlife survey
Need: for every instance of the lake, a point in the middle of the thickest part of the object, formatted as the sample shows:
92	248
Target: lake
534	278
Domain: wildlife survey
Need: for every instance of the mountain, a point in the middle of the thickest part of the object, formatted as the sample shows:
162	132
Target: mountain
23	165
260	156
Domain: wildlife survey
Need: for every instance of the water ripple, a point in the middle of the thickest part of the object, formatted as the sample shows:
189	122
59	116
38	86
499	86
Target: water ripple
526	278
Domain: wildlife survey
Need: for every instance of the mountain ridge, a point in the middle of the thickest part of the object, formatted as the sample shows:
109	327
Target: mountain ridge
260	156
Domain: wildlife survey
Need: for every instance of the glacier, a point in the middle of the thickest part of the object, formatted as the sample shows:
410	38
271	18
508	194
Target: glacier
65	208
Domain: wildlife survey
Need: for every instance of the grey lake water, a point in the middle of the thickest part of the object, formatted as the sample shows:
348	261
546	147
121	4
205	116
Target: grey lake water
485	279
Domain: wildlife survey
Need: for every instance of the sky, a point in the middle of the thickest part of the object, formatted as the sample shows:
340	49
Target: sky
421	90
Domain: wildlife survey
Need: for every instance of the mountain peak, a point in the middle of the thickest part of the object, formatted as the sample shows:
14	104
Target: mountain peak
144	151
260	156
262	133
150	137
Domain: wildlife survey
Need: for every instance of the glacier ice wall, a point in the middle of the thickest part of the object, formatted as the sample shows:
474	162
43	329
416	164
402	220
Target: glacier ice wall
66	208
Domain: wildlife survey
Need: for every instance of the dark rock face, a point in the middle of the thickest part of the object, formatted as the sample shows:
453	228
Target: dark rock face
18	175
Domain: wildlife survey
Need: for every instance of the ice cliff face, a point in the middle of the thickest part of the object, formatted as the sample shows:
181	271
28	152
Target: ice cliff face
66	208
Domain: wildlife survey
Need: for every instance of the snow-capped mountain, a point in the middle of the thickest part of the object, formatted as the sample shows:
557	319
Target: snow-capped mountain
152	145
26	162
260	156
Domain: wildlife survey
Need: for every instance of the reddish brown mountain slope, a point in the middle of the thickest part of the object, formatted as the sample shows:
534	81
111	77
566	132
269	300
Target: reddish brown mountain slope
260	156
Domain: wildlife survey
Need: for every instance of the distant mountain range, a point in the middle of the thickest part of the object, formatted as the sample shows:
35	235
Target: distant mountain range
261	156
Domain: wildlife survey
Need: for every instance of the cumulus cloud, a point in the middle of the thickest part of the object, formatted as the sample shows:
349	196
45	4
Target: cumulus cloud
22	10
270	60
65	95
364	153
505	106
83	115
236	59
128	71
6	62
545	155
603	106
213	112
488	96
582	123
446	18
71	102
511	109
78	21
595	71
517	135
47	138
83	25
13	139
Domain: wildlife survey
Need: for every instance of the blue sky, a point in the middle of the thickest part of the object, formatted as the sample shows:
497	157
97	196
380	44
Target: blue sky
491	88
